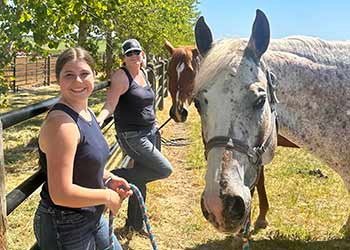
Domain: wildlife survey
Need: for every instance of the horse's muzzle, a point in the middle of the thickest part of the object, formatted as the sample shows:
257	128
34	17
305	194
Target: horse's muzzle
231	217
178	115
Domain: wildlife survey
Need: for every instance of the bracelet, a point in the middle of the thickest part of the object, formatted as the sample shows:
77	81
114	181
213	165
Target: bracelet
108	180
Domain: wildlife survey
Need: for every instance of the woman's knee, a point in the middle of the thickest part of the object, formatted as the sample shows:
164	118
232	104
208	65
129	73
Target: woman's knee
166	170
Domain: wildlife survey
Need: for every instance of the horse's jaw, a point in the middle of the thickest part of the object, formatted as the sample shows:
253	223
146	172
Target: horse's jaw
225	201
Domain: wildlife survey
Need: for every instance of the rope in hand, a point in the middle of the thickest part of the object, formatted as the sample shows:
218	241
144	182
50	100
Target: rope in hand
138	194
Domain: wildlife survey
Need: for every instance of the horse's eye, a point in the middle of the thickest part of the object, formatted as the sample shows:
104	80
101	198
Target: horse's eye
197	105
260	102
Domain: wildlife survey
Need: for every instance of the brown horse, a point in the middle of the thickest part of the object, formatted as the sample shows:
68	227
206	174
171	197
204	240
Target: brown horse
183	66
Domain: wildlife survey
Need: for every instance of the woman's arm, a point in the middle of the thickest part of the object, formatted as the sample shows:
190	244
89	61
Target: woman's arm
119	85
58	139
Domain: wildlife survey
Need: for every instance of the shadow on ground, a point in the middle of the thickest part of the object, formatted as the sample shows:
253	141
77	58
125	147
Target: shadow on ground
278	244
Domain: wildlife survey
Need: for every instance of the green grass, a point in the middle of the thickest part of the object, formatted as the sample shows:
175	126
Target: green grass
306	212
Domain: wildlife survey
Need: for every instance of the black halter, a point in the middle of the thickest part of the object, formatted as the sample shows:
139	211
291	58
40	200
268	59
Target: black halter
254	153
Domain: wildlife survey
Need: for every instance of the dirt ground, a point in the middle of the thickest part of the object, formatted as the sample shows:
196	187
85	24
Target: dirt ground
173	204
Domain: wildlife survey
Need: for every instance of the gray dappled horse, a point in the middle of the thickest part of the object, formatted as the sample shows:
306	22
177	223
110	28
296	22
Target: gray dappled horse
235	96
183	67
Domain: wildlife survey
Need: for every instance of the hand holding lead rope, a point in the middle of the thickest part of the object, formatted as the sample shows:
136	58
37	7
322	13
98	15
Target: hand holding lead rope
122	189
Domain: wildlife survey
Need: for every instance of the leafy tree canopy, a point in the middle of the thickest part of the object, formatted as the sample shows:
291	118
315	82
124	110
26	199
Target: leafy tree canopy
37	27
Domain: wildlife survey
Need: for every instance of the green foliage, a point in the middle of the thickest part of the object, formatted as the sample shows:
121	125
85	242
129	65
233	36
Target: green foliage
153	21
37	27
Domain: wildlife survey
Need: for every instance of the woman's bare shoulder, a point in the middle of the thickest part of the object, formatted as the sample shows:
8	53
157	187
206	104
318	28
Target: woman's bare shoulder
119	74
120	79
58	126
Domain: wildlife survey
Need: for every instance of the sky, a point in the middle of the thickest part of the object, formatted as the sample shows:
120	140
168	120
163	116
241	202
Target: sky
326	19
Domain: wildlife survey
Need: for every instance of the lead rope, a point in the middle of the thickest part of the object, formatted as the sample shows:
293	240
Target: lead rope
246	236
161	126
138	194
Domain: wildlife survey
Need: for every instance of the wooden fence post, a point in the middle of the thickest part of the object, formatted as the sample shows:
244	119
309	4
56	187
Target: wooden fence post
48	70
161	84
166	78
26	69
14	74
3	220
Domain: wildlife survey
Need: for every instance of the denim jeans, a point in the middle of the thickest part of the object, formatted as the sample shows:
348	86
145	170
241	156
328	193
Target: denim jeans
149	165
57	229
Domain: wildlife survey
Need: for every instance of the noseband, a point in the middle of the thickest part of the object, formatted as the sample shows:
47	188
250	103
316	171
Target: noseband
254	154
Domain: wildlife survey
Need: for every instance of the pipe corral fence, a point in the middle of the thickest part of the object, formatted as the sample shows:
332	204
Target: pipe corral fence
156	71
26	71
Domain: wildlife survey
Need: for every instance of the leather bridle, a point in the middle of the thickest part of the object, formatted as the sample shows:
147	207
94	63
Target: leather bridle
254	154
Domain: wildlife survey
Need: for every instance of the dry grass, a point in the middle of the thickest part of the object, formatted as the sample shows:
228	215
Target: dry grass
306	211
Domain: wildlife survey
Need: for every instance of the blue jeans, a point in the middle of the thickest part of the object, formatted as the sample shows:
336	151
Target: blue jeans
149	165
57	229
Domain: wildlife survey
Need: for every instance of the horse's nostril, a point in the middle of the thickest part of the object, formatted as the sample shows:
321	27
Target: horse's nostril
184	114
234	208
204	210
172	112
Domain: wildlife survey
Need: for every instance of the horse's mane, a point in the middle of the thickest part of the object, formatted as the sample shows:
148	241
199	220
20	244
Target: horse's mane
328	53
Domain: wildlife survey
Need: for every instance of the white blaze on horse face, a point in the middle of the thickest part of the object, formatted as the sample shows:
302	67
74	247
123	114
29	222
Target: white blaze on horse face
179	68
177	98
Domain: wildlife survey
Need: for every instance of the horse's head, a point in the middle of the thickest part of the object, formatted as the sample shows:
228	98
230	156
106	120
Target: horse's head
233	97
182	69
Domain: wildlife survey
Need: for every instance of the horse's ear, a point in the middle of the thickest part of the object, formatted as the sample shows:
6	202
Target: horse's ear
260	37
204	38
169	46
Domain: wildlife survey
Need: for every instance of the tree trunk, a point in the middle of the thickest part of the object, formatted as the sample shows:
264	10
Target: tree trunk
3	220
109	53
83	32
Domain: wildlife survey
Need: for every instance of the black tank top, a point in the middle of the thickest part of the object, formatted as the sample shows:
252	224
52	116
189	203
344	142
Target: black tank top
135	109
89	160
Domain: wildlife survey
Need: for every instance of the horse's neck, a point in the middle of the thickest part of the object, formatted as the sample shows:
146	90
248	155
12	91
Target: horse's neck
315	50
314	92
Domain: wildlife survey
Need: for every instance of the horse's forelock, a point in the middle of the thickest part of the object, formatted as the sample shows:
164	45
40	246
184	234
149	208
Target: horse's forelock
221	56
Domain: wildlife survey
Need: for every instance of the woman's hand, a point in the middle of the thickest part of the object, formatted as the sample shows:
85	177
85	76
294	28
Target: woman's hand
119	185
114	201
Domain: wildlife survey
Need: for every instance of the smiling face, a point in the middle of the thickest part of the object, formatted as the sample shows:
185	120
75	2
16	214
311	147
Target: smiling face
133	58
76	80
